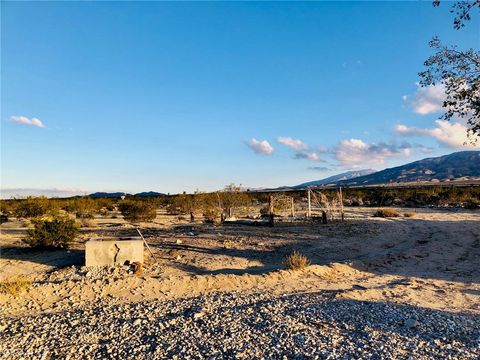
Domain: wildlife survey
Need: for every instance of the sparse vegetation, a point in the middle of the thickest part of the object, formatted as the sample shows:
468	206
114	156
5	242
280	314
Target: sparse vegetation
386	213
33	207
86	222
137	211
211	215
296	261
14	286
58	232
409	214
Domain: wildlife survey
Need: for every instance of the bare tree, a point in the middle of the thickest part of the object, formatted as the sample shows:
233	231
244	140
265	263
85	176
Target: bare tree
459	71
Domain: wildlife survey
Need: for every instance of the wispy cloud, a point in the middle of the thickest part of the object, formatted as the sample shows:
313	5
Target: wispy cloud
295	144
313	156
27	121
426	100
318	168
262	147
452	135
355	152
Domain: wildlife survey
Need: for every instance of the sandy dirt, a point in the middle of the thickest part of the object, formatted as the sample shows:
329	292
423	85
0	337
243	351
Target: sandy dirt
430	260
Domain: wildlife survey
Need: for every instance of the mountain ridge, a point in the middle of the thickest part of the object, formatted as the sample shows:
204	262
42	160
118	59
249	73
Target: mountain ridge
457	165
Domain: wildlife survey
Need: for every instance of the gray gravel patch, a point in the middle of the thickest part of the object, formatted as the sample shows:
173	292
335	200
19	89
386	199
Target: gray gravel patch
239	326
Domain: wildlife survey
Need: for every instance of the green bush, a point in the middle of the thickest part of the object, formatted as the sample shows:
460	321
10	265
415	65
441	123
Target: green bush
32	207
83	208
56	233
137	211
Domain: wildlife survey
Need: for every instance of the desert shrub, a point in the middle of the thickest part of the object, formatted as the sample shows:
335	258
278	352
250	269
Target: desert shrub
58	232
183	204
232	197
33	207
85	222
7	207
211	214
296	261
104	212
83	208
409	214
14	286
137	211
386	213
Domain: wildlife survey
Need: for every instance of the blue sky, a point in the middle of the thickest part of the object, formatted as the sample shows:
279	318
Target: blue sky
181	96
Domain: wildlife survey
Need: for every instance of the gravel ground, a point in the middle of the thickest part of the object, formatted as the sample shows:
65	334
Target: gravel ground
235	325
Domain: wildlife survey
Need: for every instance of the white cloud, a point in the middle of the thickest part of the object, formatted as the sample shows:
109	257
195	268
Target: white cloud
355	153
297	144
426	100
452	135
260	147
24	120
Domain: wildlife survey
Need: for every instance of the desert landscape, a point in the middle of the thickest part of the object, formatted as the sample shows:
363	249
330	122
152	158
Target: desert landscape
240	180
410	283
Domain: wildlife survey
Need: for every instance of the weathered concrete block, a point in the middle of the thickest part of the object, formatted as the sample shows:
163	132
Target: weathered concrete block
102	251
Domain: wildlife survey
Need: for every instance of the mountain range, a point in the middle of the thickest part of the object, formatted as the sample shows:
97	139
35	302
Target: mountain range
336	178
462	165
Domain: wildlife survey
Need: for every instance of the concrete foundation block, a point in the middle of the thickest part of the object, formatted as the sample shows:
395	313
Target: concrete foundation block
103	251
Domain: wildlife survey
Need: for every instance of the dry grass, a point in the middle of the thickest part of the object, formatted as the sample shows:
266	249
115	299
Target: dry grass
14	286
385	213
296	261
409	214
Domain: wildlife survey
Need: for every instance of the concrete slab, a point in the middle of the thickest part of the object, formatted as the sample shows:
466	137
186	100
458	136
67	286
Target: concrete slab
103	251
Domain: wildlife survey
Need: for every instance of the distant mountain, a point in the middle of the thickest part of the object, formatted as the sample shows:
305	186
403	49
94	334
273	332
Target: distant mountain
462	164
107	195
335	178
149	194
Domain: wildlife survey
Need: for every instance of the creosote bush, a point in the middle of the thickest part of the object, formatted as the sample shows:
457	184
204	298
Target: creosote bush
211	215
87	223
33	207
296	261
386	213
58	232
137	211
14	286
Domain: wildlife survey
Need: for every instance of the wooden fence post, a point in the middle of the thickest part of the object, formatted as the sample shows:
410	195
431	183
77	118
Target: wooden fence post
270	211
309	212
341	203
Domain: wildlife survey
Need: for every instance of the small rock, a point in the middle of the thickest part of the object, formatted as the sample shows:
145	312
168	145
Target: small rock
198	315
411	323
